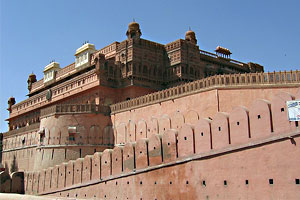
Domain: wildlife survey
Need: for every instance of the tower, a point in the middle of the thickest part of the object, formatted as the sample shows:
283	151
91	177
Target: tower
31	80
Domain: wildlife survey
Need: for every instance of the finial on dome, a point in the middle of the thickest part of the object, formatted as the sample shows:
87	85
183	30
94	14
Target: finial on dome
190	36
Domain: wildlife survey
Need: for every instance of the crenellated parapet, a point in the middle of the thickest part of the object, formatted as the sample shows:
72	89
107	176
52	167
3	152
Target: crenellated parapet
179	153
248	80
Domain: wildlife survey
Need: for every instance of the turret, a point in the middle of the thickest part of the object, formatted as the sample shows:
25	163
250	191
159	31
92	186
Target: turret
133	31
11	102
191	36
30	81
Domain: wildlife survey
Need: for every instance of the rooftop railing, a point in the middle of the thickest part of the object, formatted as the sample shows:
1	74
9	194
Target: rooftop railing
248	79
28	128
63	109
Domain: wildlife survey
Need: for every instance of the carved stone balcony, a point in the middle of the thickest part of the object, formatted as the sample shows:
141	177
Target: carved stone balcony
65	109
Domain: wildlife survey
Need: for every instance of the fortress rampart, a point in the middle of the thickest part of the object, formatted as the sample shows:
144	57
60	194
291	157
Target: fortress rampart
249	153
221	133
273	79
150	114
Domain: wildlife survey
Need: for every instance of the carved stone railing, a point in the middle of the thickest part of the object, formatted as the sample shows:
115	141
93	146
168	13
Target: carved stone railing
65	71
84	79
61	73
216	56
64	109
23	129
37	85
248	79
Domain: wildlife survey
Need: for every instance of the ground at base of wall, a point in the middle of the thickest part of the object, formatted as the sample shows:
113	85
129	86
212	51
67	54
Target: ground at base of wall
29	197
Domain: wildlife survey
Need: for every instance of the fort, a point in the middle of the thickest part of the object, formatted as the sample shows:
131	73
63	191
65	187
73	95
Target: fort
142	120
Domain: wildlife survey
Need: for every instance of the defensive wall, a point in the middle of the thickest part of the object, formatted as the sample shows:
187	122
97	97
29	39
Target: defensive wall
153	113
29	149
249	153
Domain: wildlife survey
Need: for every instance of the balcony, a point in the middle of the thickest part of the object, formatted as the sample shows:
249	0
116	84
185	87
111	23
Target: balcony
66	109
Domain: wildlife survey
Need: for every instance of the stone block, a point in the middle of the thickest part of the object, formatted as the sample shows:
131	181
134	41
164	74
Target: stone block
239	125
87	169
177	120
141	154
141	129
117	160
279	112
164	124
260	119
220	131
155	150
169	144
128	157
186	141
202	136
106	163
96	166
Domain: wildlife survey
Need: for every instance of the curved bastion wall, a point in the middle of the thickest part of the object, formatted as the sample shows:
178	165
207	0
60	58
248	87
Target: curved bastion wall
53	146
93	133
249	153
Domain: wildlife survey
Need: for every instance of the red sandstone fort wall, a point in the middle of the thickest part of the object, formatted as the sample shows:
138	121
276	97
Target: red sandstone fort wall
249	153
142	122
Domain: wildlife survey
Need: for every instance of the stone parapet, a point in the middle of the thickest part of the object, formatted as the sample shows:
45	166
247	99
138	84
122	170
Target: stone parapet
22	130
65	109
179	156
62	90
248	80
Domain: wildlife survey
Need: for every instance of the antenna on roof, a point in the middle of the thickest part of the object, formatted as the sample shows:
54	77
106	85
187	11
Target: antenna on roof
133	20
189	28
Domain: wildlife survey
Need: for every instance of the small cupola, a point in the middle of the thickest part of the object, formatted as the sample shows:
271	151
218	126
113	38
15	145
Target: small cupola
223	52
191	36
11	101
31	79
134	30
50	71
83	55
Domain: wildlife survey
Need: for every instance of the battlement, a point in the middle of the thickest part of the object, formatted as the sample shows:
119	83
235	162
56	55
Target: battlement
180	151
274	79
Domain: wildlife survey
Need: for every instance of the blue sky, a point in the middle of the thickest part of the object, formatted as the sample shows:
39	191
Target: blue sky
33	32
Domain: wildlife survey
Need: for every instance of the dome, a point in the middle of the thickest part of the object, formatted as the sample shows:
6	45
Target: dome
190	33
32	75
191	36
32	78
133	26
11	100
134	30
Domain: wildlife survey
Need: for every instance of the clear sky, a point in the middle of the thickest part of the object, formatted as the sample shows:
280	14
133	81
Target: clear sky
33	32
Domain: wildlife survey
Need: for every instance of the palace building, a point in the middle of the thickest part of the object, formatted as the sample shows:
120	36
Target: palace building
142	120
